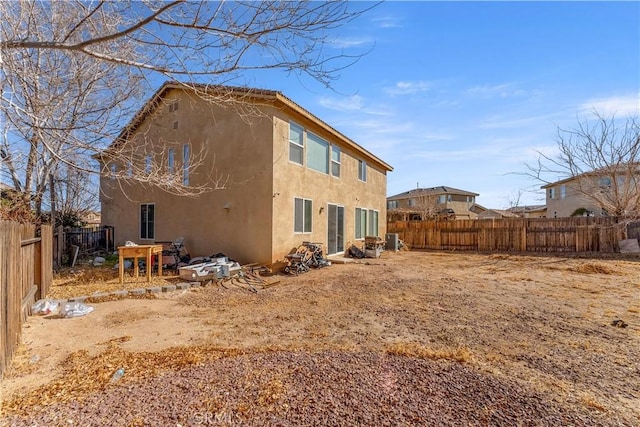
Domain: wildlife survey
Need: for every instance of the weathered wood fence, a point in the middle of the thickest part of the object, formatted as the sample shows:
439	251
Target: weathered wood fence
25	276
582	234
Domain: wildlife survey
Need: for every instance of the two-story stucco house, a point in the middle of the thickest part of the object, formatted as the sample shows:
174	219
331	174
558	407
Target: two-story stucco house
605	192
289	177
435	202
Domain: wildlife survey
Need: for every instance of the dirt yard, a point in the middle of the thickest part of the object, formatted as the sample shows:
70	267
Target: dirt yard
412	338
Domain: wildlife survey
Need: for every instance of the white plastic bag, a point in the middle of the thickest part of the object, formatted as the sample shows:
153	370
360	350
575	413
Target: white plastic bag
75	309
45	306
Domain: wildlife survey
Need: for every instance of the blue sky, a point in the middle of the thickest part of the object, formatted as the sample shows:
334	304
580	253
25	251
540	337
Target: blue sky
463	93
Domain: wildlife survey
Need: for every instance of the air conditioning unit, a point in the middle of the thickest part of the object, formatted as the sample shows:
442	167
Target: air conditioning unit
392	241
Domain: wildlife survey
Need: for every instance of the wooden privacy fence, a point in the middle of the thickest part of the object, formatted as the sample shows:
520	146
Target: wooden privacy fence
582	234
25	276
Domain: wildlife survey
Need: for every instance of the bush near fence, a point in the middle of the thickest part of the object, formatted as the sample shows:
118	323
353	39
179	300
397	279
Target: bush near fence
581	234
26	273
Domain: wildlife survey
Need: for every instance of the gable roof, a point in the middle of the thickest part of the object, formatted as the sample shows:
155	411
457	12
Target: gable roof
613	170
253	96
434	191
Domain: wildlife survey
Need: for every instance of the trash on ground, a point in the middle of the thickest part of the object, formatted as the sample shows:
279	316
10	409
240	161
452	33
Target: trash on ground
75	309
618	323
307	255
45	306
117	375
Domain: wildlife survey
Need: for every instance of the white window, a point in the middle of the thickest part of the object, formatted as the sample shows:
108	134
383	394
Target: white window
552	193
442	198
147	221
563	191
412	202
362	170
296	143
147	163
302	215
361	223
171	160
317	153
335	161
471	199
392	204
372	230
185	164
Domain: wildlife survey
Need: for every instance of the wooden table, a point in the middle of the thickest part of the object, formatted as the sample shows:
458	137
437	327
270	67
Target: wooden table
136	252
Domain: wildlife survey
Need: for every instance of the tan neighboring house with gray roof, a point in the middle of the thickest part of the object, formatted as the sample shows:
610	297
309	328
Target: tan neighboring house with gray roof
596	193
290	177
435	202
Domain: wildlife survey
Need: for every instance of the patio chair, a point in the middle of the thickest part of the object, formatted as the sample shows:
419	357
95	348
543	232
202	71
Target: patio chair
171	253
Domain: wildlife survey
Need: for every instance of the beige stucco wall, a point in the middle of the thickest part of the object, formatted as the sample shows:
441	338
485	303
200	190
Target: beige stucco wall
235	152
292	180
253	154
562	207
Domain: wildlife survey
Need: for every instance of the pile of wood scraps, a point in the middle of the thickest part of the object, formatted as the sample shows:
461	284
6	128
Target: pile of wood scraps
249	278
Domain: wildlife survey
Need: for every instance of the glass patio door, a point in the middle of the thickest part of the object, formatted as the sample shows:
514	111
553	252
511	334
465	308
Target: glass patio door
335	238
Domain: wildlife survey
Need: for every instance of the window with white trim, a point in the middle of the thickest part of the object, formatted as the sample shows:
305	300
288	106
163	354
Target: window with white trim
563	191
362	170
392	204
147	221
147	163
552	193
186	149
317	153
302	215
372	222
361	223
171	160
296	143
335	161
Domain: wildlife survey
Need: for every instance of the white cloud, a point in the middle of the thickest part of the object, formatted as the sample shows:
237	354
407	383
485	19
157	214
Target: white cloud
353	103
625	105
346	43
504	90
409	88
387	22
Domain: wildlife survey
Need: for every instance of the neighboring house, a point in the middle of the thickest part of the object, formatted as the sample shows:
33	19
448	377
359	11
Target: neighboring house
484	213
291	177
435	202
597	193
530	211
91	218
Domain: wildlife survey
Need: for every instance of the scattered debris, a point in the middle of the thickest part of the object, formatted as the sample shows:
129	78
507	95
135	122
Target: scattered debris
43	307
355	252
75	309
618	323
307	255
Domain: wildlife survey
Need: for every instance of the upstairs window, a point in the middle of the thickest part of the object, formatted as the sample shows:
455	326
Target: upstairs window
412	202
552	193
563	191
317	153
362	170
186	152
392	204
335	161
442	198
147	164
171	160
173	106
296	143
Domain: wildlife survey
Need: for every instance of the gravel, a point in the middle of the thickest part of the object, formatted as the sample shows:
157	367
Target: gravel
330	388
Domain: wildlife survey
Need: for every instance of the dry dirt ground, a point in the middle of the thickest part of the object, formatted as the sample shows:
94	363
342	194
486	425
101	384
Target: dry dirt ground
412	338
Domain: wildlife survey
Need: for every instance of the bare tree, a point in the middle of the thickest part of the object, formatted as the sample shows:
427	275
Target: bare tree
600	161
72	72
